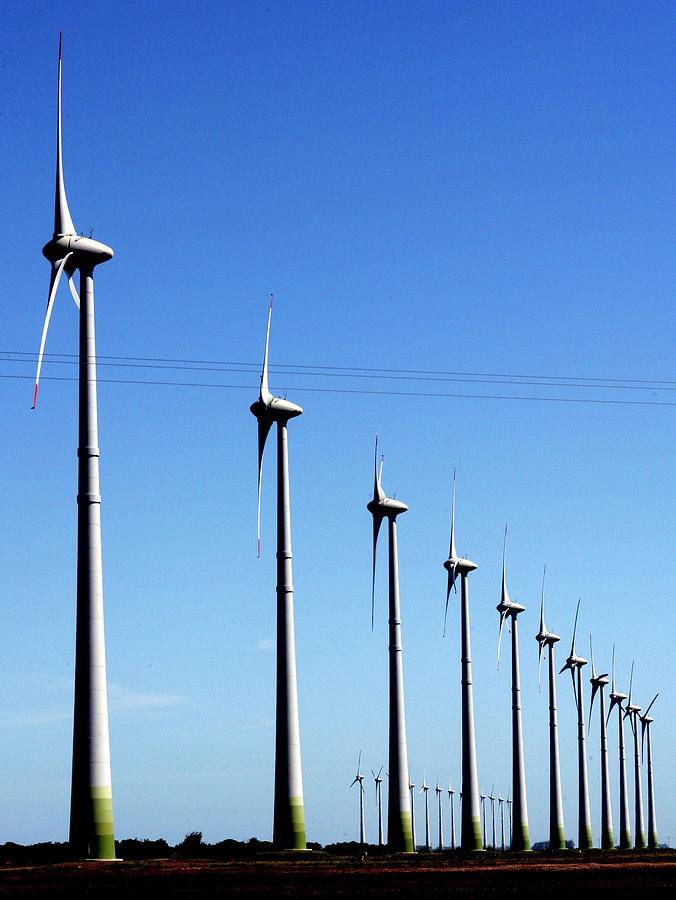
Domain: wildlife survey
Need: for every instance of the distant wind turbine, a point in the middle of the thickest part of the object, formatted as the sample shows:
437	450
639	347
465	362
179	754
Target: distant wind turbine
399	825
501	801
646	722
598	682
616	699
575	663
482	797
470	835
379	802
452	814
492	798
439	791
508	609
91	802
632	712
289	815
411	788
557	840
425	787
359	779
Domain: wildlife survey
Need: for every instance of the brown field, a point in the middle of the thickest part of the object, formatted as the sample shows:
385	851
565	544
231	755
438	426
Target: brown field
616	875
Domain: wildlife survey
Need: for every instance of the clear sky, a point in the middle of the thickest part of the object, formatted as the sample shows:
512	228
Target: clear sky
442	193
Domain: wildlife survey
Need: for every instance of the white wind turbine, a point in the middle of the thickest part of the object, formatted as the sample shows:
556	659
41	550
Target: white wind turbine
632	711
482	797
509	806
452	814
492	798
508	609
557	840
470	833
289	816
501	801
425	787
399	817
584	819
439	791
598	682
359	779
379	802
91	805
646	722
616	699
411	788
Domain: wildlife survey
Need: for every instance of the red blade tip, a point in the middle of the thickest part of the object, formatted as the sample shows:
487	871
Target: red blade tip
35	397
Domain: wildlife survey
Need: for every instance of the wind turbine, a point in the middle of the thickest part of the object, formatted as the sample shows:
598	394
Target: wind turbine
379	801
584	820
483	816
509	806
439	791
289	816
616	699
411	788
470	838
91	804
399	816
425	787
598	682
646	721
359	779
501	801
452	814
491	797
632	711
557	840
508	609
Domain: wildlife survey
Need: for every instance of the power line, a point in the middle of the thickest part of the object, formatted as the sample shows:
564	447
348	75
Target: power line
426	394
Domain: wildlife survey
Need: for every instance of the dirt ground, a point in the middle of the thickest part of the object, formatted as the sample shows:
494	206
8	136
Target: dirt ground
617	875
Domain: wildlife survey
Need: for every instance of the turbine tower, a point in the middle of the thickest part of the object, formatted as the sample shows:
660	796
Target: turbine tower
501	801
557	840
616	699
508	609
452	814
598	682
646	721
289	817
632	711
483	816
379	802
509	806
584	819
411	788
425	787
359	779
91	804
439	791
470	834
399	816
492	798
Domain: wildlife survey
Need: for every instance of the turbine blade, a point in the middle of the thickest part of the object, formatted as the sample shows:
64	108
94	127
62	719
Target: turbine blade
572	646
57	269
503	616
631	681
595	687
63	224
264	426
265	394
541	647
572	675
542	603
644	725
452	554
591	651
651	703
73	290
505	595
613	671
451	582
378	492
377	520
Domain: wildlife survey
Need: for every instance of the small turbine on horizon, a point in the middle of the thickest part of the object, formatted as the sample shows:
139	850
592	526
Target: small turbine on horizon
616	699
91	803
425	787
399	819
439	791
598	682
557	840
452	814
482	797
411	788
379	802
575	663
508	609
289	815
501	801
359	779
646	722
470	832
632	712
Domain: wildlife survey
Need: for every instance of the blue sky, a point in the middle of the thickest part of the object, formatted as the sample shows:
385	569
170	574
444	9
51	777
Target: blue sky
457	189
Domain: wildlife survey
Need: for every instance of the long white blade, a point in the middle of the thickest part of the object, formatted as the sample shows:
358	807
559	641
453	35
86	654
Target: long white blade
503	616
57	269
266	396
264	426
572	646
73	291
63	224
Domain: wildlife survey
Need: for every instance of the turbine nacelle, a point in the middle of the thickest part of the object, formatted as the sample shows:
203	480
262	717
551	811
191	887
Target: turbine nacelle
547	637
386	508
277	409
85	251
